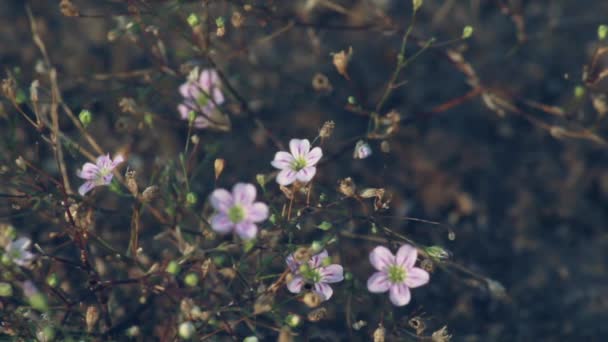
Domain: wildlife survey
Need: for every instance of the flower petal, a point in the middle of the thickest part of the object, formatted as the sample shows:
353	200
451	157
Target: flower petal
295	285
292	263
378	283
201	122
306	174
316	260
416	277
400	294
324	290
286	177
89	171
221	223
86	187
218	96
406	256
117	160
282	160
381	257
188	90
243	193
313	157
246	230
299	148
21	243
221	200
257	212
205	80
332	273
103	161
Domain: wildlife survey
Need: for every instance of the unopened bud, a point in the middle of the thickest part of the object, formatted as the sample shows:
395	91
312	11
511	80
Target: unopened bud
191	198
186	330
341	60
237	19
327	130
467	32
193	20
85	117
293	320
416	4
173	267
347	187
437	252
52	280
379	333
91	317
602	32
6	290
191	279
218	167
150	193
131	181
312	299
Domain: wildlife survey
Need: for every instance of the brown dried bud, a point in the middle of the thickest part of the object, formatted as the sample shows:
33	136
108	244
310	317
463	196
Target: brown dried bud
68	9
285	335
441	335
237	19
34	90
91	317
321	83
327	129
218	166
127	105
317	314
220	31
132	182
418	324
379	333
347	187
228	272
150	193
341	60
205	267
312	299
427	265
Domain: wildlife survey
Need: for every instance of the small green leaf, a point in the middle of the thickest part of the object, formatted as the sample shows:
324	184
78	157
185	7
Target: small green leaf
325	225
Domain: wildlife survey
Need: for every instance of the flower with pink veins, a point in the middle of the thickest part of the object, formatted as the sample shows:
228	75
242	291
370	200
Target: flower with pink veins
237	211
98	174
202	94
317	272
396	273
299	164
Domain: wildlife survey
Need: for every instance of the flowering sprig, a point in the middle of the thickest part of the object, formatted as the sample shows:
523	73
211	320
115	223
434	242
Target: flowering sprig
397	273
317	271
237	211
299	164
17	251
98	174
202	95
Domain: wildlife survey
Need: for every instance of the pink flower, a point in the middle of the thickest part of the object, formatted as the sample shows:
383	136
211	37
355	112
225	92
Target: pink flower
202	94
299	164
237	211
317	272
362	150
17	251
397	274
99	173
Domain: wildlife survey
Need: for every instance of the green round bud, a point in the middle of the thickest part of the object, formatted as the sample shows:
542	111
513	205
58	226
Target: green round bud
352	100
316	246
6	260
38	302
251	339
193	20
6	290
467	32
437	252
191	279
52	280
304	268
326	262
191	116
173	267
85	117
293	320
579	91
219	260
220	21
348	276
191	198
186	330
602	32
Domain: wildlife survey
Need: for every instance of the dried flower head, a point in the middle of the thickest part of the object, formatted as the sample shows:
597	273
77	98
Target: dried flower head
98	174
341	60
327	129
321	83
347	187
299	164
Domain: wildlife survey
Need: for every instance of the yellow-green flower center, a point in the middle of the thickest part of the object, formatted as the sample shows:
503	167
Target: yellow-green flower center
236	214
298	163
310	274
396	274
202	99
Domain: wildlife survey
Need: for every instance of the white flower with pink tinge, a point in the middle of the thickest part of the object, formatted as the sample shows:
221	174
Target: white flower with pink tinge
202	94
317	272
98	174
17	251
299	164
397	273
237	211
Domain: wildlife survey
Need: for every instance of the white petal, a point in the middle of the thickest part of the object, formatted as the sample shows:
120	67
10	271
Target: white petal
282	160
86	187
257	212
299	148
324	290
378	283
286	177
381	258
400	294
332	273
246	230
295	285
89	171
221	200
306	174
313	157
416	277
406	256
243	193
221	223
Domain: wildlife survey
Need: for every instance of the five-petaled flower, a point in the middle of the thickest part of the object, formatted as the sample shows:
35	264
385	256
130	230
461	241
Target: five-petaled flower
99	173
397	273
299	164
202	95
17	251
237	211
316	272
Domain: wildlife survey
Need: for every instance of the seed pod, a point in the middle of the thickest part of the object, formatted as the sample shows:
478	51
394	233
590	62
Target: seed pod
317	314
341	60
347	187
379	333
91	317
312	299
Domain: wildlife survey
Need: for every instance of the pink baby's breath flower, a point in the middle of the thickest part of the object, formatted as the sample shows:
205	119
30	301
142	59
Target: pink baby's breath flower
237	211
202	94
98	174
299	164
317	272
362	150
17	251
397	273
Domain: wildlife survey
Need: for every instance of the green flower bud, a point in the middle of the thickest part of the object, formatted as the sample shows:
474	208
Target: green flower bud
467	32
251	339
352	100
38	302
191	279
220	22
191	116
326	261
85	117
602	32
46	334
6	290
193	20
579	91
437	252
186	330
173	267
52	280
416	4
316	247
348	276
191	198
293	320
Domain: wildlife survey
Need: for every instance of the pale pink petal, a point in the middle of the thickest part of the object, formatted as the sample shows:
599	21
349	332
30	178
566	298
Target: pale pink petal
317	259
295	285
406	256
324	290
221	200
21	243
282	160
117	160
400	294
221	223
243	193
332	273
218	96
292	263
378	283
257	212
201	122
24	259
313	157
246	230
86	187
103	161
416	277
107	179
205	80
184	111
299	148
89	171
286	177
381	258
187	89
306	174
